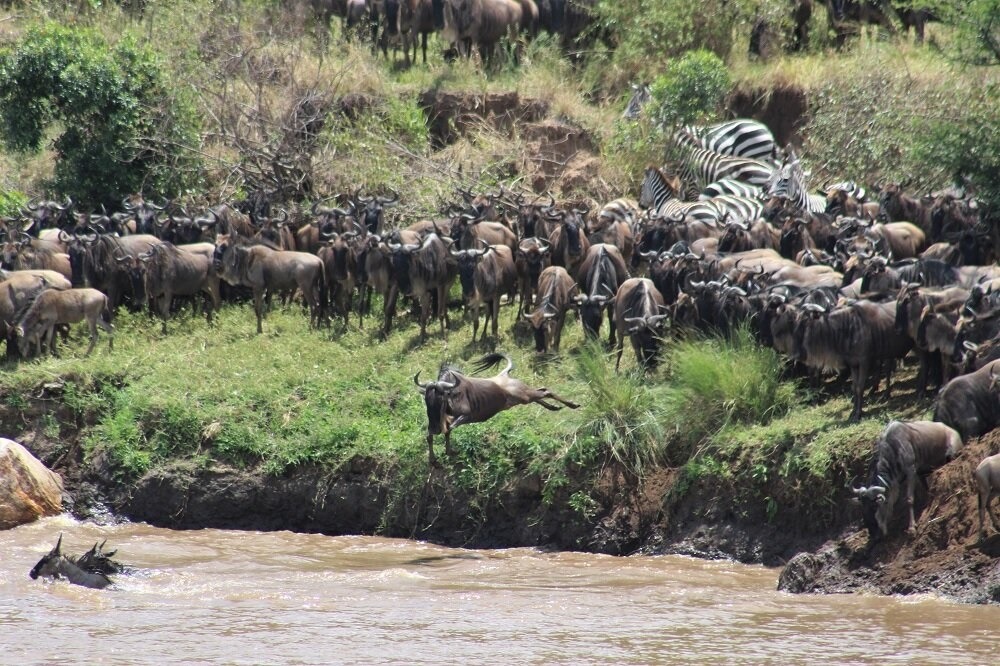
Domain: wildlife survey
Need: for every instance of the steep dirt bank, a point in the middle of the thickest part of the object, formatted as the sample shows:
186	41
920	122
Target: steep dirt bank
944	555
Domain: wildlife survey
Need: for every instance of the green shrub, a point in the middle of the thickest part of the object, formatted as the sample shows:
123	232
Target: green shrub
692	88
965	145
716	382
123	127
11	203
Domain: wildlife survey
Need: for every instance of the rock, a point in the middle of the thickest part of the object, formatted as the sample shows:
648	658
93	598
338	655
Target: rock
28	489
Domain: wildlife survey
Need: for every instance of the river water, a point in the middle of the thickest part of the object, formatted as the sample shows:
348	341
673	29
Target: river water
224	597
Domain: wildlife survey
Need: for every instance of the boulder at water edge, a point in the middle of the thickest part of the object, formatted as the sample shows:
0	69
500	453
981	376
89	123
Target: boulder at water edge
28	489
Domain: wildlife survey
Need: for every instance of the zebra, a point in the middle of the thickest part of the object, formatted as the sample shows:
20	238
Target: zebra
659	195
738	209
737	138
700	166
620	210
640	96
855	191
789	182
732	187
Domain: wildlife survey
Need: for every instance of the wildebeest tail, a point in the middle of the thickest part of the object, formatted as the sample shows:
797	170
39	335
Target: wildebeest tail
491	360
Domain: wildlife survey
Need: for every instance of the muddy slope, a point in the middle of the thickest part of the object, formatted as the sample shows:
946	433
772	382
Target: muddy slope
943	557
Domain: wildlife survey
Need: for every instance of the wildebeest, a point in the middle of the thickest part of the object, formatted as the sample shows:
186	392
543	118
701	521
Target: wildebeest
860	337
639	311
569	241
52	307
987	477
239	262
79	571
485	275
480	22
371	210
531	259
455	398
341	271
600	276
170	271
555	293
970	403
24	252
903	450
421	272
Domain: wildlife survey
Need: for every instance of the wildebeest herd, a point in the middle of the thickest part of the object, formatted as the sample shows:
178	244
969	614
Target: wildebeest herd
835	279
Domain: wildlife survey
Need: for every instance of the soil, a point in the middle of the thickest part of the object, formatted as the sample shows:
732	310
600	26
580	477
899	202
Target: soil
943	556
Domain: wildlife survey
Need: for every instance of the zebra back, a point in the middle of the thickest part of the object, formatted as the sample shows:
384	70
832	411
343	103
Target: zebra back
739	209
741	137
691	211
855	191
701	166
731	187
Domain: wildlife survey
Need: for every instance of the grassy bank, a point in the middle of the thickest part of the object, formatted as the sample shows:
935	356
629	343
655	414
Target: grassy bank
296	398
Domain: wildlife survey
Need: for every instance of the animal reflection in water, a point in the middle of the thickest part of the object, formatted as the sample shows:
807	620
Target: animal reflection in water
90	569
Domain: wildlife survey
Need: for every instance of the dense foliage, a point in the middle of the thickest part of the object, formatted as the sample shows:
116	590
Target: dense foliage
122	129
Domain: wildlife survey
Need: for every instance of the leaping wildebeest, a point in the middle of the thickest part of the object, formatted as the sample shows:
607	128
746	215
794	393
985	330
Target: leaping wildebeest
456	399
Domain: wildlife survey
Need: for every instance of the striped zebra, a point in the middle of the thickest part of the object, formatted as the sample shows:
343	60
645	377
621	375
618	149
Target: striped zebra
640	96
853	190
731	187
789	182
738	209
700	167
659	195
737	138
619	210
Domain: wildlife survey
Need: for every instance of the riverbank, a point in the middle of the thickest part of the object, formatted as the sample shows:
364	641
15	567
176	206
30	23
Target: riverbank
353	460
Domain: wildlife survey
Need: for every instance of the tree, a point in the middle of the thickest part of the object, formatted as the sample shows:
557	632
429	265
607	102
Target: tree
122	127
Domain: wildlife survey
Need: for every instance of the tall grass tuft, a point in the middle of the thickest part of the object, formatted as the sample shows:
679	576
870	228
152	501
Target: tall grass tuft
620	414
715	382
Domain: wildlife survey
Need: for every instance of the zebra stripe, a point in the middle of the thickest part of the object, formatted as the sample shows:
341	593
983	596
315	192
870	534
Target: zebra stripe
692	211
731	187
620	210
656	189
658	194
701	167
737	138
640	95
789	181
853	190
739	209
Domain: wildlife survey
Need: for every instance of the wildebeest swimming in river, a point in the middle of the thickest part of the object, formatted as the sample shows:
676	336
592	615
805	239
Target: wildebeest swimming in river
90	569
455	398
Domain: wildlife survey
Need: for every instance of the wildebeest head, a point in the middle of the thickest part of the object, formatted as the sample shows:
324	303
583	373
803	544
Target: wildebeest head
144	212
876	506
371	209
41	569
436	397
48	214
467	261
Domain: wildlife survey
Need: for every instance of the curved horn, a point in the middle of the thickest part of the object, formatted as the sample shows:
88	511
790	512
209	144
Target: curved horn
421	385
390	201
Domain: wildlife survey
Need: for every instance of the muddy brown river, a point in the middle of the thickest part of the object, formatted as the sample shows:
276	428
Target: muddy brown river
224	597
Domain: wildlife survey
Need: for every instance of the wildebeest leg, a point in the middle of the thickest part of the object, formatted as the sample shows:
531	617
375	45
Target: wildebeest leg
911	482
430	451
92	326
165	309
389	309
621	349
474	310
858	376
442	305
109	329
496	317
542	392
258	308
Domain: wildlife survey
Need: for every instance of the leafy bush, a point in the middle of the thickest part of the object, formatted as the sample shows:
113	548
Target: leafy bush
123	127
692	88
966	145
11	202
